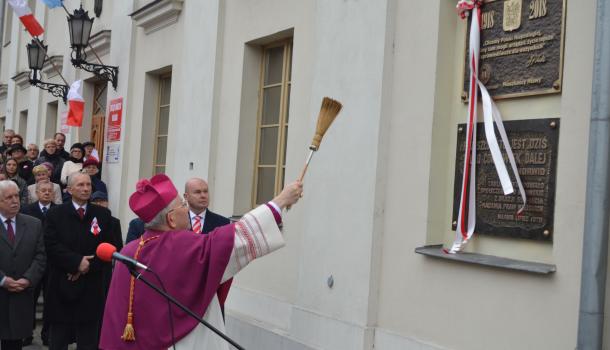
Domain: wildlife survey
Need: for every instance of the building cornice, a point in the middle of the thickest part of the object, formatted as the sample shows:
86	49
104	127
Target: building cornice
22	79
48	69
3	91
157	15
100	42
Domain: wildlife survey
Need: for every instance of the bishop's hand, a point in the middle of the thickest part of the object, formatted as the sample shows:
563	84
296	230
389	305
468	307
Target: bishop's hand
289	195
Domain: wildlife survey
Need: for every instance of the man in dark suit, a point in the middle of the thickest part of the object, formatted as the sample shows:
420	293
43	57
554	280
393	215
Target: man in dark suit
38	209
22	264
203	221
197	195
73	231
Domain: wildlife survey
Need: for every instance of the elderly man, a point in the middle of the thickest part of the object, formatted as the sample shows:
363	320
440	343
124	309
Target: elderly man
135	317
32	152
39	209
22	264
6	140
42	173
76	278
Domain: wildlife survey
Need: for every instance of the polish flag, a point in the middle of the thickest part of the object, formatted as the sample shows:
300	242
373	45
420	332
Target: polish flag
76	104
22	10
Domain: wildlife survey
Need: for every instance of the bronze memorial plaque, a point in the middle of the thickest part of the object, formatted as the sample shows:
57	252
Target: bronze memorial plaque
534	145
521	48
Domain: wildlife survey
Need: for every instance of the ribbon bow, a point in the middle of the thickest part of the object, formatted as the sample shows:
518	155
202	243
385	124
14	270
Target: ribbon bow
464	6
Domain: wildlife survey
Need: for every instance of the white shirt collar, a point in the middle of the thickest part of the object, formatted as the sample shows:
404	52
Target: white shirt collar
3	218
202	214
44	206
76	206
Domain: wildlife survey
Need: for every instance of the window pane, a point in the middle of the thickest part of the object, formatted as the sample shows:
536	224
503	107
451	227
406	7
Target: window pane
161	150
268	146
266	182
163	120
166	90
273	65
288	103
290	63
285	142
271	105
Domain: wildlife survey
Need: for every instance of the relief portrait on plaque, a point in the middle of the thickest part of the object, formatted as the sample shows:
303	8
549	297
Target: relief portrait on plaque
521	48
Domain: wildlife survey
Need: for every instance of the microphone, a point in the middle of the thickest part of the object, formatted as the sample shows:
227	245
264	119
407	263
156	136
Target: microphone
107	252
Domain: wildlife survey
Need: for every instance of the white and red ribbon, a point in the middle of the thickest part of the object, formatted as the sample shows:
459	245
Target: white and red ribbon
467	212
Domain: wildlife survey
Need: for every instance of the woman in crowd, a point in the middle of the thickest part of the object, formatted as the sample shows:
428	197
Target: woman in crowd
50	154
42	173
11	172
91	167
74	164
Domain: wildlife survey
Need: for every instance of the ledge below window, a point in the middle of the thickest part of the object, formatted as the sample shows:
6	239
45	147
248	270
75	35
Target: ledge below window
436	251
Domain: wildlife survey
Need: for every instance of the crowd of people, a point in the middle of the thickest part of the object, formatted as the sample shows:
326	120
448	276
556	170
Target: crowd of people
28	166
54	214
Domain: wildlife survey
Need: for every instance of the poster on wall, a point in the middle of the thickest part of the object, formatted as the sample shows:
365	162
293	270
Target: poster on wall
113	153
115	115
64	128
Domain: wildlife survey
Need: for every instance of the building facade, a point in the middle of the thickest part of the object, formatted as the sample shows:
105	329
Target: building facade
229	90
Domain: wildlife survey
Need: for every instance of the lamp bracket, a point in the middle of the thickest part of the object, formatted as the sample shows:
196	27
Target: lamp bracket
107	73
57	90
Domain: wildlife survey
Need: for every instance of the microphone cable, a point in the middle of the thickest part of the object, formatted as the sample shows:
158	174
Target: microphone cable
169	307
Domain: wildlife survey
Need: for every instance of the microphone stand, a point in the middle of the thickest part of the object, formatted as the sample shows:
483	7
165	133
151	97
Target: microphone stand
139	276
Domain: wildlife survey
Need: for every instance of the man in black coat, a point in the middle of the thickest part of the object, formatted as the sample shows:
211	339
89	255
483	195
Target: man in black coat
22	263
60	140
39	209
76	277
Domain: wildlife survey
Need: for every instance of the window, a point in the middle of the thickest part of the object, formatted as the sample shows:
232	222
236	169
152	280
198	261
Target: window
8	24
165	84
272	125
2	123
23	123
51	120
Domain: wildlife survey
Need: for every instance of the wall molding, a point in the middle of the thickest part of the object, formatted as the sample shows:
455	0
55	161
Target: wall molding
157	15
22	79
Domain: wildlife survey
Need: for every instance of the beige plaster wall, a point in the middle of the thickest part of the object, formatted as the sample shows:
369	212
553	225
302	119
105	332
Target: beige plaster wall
440	302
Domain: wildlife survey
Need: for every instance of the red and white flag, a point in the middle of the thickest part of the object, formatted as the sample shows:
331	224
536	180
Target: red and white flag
76	104
23	11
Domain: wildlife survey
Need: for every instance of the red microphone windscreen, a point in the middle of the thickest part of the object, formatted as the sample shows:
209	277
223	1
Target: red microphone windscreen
104	251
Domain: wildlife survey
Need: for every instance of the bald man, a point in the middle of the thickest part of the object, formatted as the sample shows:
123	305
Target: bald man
198	197
203	221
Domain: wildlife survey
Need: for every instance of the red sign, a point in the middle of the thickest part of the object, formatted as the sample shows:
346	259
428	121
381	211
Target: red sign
115	115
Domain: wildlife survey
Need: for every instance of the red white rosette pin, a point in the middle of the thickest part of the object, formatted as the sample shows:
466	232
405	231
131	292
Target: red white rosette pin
95	228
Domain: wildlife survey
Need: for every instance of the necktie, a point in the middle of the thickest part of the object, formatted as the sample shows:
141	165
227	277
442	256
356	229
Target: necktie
197	224
10	232
81	213
44	210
